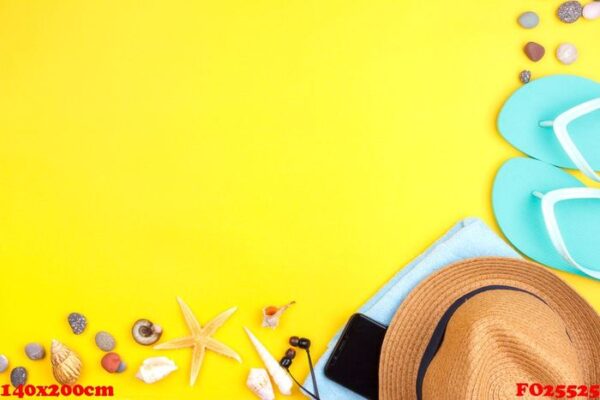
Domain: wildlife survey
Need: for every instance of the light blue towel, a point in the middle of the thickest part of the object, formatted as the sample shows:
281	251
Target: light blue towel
468	239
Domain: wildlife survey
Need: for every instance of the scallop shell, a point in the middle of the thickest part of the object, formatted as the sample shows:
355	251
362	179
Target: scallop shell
66	364
155	368
259	383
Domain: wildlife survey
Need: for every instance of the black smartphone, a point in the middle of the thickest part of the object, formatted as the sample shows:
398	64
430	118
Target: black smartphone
354	362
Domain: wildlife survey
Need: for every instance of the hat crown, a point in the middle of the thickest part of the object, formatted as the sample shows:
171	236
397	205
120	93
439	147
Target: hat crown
554	318
497	339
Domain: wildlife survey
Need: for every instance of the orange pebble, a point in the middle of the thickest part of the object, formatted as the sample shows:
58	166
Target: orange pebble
111	362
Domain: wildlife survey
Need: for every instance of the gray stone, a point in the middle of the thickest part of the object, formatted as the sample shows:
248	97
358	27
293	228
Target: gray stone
35	351
77	323
18	376
105	341
3	363
122	367
570	11
529	20
525	76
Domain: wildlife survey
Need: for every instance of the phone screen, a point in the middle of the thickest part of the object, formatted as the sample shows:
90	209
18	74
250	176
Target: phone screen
354	362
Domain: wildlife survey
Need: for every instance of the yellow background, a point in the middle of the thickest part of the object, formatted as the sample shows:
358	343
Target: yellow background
242	153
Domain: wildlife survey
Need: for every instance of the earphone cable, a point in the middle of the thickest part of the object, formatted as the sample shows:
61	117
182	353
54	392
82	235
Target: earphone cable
311	394
312	373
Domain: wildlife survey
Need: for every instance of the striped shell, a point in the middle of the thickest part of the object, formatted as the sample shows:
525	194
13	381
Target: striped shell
66	364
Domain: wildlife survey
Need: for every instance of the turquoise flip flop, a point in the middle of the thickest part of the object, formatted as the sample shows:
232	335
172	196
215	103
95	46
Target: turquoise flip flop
549	215
556	119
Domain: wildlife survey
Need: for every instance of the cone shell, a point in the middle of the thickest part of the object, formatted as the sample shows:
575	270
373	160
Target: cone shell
66	364
280	376
259	383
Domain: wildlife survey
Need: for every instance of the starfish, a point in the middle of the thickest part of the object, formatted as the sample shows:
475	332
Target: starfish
200	339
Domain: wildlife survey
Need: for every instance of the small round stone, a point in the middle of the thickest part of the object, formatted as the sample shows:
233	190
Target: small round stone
3	363
534	51
18	376
111	362
105	341
569	11
528	20
525	76
566	53
122	367
35	351
77	323
591	10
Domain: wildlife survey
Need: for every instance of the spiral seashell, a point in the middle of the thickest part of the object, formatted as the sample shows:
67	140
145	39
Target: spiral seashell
259	383
66	364
272	315
145	332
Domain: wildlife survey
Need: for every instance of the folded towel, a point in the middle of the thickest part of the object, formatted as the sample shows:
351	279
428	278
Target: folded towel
468	239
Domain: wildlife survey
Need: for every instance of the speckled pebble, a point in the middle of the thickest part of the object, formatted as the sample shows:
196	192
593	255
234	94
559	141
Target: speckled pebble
528	20
566	53
569	11
3	363
525	76
35	351
122	367
105	341
77	323
18	376
591	10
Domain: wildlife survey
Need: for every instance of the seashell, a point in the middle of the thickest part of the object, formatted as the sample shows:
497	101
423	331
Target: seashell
280	376
155	368
66	364
145	332
259	383
272	314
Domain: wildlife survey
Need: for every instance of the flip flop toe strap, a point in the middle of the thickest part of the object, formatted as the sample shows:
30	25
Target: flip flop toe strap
549	201
560	125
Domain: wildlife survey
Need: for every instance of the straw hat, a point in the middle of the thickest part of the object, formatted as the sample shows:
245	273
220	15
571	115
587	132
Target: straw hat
475	329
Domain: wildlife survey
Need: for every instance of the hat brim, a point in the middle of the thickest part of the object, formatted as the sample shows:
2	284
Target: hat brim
416	319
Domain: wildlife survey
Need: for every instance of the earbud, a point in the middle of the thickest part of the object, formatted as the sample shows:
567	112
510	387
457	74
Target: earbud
285	362
290	353
302	343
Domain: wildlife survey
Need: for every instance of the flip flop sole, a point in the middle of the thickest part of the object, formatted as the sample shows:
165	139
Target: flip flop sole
542	100
519	214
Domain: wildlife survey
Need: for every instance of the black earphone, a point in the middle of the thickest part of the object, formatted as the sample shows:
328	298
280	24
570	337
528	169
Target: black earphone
290	354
